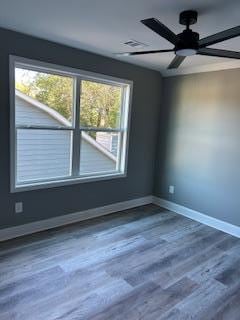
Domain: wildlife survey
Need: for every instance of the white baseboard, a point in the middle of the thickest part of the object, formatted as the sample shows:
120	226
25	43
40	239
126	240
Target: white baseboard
198	216
29	228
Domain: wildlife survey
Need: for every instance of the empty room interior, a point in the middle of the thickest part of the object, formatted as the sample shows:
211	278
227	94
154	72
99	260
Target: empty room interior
120	161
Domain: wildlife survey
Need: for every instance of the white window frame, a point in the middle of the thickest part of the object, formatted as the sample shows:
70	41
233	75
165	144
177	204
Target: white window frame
79	75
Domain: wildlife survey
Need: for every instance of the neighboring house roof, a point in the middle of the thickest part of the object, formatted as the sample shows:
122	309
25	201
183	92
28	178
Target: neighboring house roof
63	121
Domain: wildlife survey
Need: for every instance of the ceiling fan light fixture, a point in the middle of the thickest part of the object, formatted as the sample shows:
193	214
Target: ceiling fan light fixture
124	54
186	52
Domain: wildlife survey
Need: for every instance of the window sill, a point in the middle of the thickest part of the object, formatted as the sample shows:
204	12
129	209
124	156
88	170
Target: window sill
64	182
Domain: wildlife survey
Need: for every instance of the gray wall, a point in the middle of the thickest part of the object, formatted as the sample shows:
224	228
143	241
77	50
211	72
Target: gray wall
41	204
199	143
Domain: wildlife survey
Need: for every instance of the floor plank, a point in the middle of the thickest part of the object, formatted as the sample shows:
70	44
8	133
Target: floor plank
143	263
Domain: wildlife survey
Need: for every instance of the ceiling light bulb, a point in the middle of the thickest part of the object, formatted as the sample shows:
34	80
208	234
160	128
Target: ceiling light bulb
124	54
186	52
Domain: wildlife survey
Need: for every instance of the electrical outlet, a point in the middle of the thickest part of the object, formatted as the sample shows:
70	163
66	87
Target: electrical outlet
171	189
18	207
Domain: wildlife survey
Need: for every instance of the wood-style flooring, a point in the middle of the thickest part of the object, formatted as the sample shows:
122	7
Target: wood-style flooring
144	263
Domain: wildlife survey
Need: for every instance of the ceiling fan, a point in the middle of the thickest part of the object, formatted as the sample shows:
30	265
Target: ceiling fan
188	43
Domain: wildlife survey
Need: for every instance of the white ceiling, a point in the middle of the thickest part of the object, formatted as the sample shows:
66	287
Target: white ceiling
102	26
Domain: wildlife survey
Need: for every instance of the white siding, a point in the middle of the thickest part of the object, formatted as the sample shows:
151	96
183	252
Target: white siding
93	160
27	114
109	140
45	154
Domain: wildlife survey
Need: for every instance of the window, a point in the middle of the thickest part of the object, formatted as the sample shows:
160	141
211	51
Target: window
67	125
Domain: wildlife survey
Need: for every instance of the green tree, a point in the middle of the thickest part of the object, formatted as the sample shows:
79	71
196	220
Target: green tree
52	90
100	103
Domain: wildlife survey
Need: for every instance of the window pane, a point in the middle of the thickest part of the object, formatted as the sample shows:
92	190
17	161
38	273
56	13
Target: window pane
99	152
43	98
43	154
100	105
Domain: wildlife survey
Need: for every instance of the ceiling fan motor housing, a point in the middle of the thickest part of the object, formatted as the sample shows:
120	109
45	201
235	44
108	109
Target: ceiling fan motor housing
187	40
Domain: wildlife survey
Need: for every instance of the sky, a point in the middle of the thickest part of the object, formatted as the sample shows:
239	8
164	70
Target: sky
22	75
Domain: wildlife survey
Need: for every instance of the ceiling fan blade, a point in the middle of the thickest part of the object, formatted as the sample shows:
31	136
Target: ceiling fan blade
156	26
219	37
176	62
143	52
219	53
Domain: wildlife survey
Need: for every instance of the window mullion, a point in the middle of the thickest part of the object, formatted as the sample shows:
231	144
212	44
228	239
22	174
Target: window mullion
39	127
99	129
76	132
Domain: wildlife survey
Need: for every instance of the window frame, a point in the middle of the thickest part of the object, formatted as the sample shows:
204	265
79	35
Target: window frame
78	75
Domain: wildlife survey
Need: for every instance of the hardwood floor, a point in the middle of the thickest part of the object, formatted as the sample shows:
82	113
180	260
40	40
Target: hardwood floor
143	263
